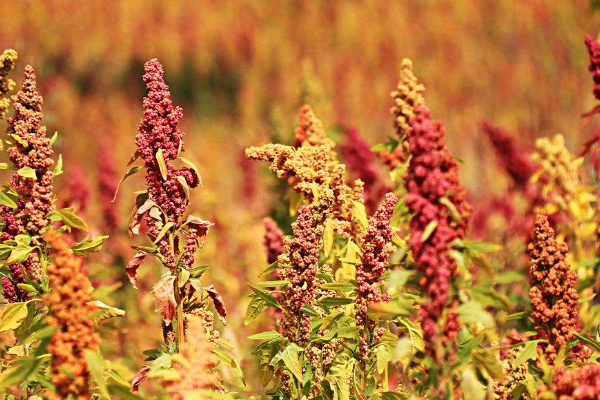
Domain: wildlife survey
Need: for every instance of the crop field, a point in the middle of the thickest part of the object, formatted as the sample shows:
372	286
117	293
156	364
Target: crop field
300	200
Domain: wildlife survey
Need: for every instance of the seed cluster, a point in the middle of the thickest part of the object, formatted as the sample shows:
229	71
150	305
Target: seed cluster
7	64
432	177
594	50
581	383
553	293
272	240
71	309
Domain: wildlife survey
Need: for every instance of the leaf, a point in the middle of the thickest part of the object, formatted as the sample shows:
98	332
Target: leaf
6	200
163	231
291	359
20	140
13	316
164	298
136	220
68	216
328	237
88	245
269	335
27	172
587	340
383	357
132	266
19	255
516	316
58	169
339	286
487	296
160	159
184	185
445	201
192	166
334	301
471	387
472	311
96	366
266	297
218	302
486	359
132	171
105	311
201	227
415	334
139	377
529	352
255	308
360	213
429	230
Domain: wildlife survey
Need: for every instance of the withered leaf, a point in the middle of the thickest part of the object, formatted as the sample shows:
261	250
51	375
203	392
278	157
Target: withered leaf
136	221
139	377
164	298
218	302
132	266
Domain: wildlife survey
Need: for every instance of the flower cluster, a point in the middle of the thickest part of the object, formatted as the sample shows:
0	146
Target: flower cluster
433	185
195	373
313	171
375	255
159	141
558	168
70	306
107	186
298	264
553	293
503	390
408	96
515	160
310	131
594	49
581	383
272	240
32	150
7	64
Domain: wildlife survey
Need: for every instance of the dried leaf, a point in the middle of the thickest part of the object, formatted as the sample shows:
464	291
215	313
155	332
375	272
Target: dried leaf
164	298
136	221
139	377
132	266
218	302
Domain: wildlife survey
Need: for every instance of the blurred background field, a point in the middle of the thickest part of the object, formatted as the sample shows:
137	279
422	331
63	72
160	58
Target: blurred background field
241	69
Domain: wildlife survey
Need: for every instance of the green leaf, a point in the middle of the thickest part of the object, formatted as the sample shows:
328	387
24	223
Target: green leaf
280	282
269	335
88	245
27	172
53	138
96	366
6	200
587	340
360	213
163	231
161	164
105	311
339	286
266	297
13	316
383	357
291	359
192	166
334	301
529	352
20	140
470	385
487	296
59	164
445	201
68	216
272	267
429	230
415	334
19	255
473	311
517	316
132	171
328	237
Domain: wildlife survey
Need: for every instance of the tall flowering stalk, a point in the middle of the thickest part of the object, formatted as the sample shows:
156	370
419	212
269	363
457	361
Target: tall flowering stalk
553	293
70	311
179	295
376	252
408	96
7	64
440	215
32	184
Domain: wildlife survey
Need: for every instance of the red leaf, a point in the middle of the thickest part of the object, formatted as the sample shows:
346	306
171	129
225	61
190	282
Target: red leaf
164	298
218	302
139	377
200	225
136	220
133	265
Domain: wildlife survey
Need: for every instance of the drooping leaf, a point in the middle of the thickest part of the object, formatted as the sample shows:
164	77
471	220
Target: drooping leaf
217	301
136	220
139	377
88	245
132	266
193	167
105	311
201	227
266	297
132	171
164	298
160	159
